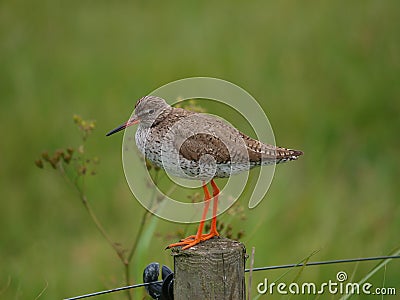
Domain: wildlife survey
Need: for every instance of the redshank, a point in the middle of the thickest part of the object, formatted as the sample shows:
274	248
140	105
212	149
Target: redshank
198	146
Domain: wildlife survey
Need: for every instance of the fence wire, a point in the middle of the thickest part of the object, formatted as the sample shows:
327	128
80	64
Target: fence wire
315	263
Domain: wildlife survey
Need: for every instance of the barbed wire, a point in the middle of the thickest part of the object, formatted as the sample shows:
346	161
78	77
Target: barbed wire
315	263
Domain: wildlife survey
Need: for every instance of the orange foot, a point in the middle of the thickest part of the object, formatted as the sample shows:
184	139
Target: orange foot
193	240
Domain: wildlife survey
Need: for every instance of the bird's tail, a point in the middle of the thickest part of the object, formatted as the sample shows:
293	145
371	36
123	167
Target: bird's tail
284	154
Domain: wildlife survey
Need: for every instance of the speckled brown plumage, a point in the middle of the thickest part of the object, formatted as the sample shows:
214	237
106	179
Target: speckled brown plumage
199	144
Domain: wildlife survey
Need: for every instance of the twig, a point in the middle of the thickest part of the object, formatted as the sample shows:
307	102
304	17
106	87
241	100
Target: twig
142	223
100	227
85	202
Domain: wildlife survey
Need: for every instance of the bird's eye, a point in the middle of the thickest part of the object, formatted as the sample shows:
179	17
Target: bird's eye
151	111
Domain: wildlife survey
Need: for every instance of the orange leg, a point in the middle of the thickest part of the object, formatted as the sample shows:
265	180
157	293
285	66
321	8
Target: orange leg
213	229
199	233
195	239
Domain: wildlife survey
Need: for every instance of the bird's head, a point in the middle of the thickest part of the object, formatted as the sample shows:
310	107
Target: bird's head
147	110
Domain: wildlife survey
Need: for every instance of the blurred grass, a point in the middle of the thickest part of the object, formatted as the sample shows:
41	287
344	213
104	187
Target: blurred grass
326	73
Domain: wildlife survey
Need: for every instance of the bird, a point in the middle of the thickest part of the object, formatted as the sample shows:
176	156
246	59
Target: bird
198	146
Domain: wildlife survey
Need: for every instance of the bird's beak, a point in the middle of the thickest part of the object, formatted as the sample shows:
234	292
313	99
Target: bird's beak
130	122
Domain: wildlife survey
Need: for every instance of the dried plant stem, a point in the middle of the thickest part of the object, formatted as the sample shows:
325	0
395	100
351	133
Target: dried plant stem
82	195
132	251
140	231
78	183
118	250
100	227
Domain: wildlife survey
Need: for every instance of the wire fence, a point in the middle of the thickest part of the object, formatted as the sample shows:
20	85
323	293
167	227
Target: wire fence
315	263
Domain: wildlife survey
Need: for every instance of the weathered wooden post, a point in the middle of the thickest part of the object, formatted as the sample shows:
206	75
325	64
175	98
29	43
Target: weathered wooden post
213	269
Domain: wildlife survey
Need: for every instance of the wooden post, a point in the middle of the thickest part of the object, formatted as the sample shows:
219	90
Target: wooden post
213	269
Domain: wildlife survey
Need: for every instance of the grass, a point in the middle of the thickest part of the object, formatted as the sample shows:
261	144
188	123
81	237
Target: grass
326	73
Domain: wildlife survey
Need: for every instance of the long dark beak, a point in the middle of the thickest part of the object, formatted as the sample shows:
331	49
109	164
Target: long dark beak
123	126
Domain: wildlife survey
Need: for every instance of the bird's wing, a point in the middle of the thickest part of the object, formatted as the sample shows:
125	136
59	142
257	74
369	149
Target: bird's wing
200	144
201	134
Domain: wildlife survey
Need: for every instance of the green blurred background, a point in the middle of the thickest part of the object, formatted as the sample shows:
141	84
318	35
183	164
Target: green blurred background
326	73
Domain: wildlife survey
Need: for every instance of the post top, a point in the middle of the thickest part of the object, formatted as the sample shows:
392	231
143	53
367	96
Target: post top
216	245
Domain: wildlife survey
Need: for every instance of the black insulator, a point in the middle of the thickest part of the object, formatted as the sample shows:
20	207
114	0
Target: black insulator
159	291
